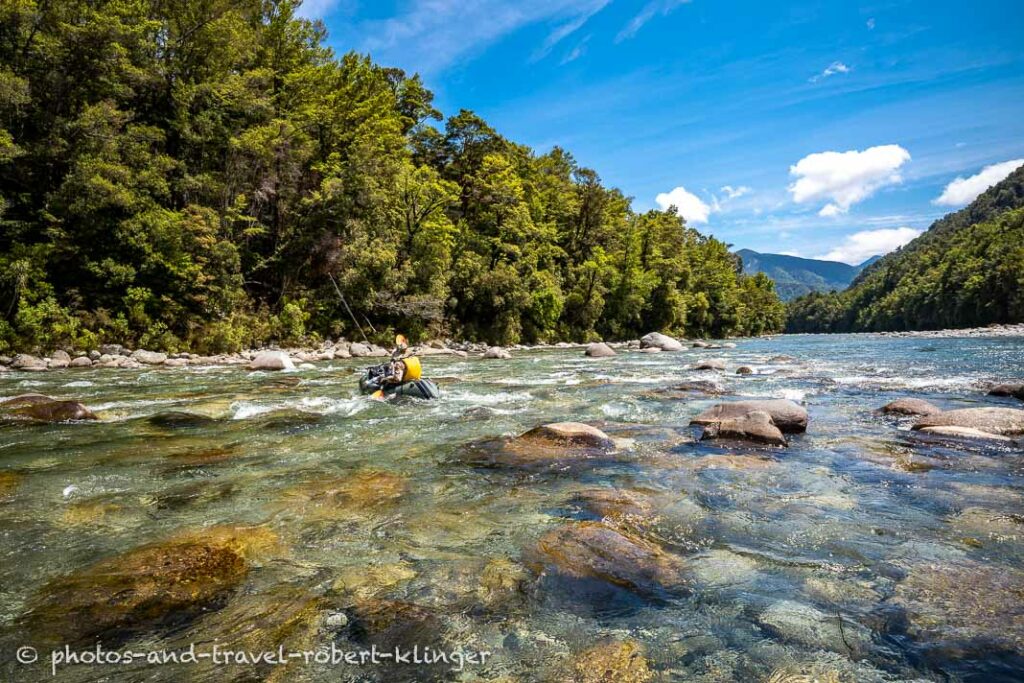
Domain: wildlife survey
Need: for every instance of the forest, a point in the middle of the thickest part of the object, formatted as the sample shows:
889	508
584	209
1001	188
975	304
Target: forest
966	270
208	175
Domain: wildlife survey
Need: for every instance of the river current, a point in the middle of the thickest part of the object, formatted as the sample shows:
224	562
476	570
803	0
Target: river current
862	552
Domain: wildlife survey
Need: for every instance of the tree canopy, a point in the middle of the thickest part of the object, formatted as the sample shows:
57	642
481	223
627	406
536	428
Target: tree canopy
191	174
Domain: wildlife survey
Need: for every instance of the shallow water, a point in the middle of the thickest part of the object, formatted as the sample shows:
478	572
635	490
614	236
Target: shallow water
841	553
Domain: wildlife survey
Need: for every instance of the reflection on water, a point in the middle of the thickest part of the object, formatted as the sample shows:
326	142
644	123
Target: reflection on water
863	552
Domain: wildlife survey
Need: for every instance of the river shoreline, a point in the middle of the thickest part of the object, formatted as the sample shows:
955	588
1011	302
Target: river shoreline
115	356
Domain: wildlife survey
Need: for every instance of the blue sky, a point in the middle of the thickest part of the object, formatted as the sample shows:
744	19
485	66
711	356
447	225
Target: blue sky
813	128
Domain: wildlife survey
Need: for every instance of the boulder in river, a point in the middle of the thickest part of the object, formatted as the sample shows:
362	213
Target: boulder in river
910	406
272	360
599	350
965	433
787	415
661	341
142	589
1014	389
1000	421
180	419
81	362
41	408
711	364
24	361
698	344
570	434
594	550
149	357
756	426
497	353
59	359
744	370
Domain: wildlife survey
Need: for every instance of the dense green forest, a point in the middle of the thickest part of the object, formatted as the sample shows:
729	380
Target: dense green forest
966	270
190	174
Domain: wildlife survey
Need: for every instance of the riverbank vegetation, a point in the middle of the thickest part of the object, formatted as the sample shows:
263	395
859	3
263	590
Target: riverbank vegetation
192	175
966	270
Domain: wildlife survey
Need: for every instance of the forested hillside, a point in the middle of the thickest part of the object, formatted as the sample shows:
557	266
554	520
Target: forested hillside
191	174
966	270
795	276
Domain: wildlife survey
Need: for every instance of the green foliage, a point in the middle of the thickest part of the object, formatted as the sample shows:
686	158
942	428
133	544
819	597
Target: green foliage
967	270
193	174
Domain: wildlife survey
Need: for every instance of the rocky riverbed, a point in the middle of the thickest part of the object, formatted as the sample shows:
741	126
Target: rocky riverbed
835	508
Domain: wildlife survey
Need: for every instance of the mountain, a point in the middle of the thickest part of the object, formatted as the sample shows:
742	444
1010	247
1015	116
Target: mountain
966	270
795	276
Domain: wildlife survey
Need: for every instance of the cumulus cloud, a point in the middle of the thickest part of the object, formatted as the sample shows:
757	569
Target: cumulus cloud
688	205
831	70
964	190
845	178
648	12
735	192
860	246
871	24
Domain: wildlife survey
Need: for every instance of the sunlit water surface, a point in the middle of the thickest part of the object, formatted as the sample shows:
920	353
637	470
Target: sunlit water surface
795	562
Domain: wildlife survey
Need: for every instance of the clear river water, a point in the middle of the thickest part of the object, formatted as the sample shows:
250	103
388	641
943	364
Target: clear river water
862	552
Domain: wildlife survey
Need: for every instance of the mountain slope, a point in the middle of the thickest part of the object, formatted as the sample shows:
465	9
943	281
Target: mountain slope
795	276
966	270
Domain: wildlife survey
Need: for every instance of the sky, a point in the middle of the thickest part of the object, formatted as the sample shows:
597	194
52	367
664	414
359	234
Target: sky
819	129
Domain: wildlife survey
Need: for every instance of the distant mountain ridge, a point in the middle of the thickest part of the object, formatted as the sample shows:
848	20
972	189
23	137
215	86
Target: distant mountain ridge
795	276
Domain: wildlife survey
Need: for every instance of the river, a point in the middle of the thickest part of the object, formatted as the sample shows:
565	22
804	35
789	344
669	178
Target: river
863	551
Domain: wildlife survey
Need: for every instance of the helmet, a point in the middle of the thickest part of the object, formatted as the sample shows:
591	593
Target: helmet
412	369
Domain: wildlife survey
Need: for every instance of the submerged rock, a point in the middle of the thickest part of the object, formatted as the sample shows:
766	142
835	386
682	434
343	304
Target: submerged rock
619	505
599	350
361	492
787	415
910	406
371	581
756	426
41	408
810	626
1001	421
614	661
179	419
596	551
9	481
552	446
661	341
700	387
970	606
711	364
272	360
503	584
744	370
1014	389
143	589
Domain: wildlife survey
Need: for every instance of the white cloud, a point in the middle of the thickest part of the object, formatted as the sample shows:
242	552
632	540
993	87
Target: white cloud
735	192
964	190
576	52
831	70
860	246
431	35
871	24
845	178
688	205
649	11
568	28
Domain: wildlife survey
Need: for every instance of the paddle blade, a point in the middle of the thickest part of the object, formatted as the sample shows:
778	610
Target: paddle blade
378	395
400	341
